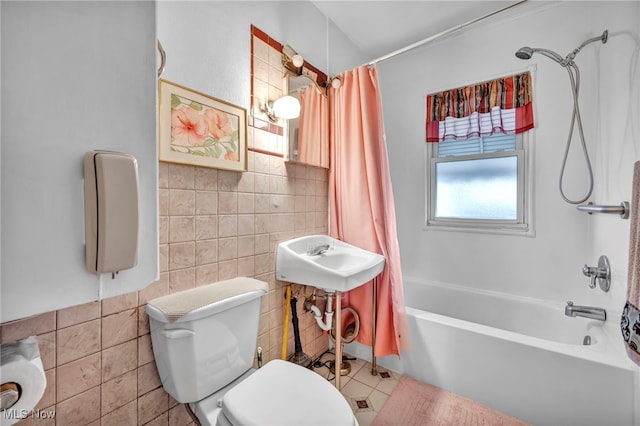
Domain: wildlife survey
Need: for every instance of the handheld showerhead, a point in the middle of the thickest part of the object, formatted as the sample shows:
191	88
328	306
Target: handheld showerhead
574	76
527	52
524	53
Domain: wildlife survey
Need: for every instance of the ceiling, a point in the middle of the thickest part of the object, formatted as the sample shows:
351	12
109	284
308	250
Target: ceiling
381	27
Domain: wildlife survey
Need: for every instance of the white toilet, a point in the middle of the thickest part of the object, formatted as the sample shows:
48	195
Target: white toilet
204	342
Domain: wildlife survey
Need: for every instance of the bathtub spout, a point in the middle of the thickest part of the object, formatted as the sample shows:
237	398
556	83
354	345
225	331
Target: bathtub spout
572	310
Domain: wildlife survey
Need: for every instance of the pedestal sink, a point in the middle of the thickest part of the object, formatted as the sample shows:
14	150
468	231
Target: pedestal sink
326	263
332	265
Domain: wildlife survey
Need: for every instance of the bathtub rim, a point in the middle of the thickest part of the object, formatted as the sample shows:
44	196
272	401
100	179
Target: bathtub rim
611	313
605	352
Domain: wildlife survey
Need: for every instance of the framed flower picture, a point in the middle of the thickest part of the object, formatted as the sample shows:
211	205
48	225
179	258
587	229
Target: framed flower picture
201	130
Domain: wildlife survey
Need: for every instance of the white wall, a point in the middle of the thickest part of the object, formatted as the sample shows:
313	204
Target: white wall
76	76
208	44
549	265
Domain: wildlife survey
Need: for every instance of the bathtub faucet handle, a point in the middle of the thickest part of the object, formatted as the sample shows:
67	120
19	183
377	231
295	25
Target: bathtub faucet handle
600	274
592	272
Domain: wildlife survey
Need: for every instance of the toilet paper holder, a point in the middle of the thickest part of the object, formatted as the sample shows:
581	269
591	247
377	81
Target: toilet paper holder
23	379
9	395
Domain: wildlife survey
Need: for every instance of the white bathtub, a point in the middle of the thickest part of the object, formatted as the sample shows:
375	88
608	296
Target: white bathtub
519	355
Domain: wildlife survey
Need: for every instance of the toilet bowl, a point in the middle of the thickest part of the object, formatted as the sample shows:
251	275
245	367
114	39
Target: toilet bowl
204	341
280	393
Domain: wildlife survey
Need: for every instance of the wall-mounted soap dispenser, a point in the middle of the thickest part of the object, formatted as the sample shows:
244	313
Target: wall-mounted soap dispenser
111	211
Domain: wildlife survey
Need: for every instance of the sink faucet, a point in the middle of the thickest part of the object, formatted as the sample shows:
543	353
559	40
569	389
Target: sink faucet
572	310
316	250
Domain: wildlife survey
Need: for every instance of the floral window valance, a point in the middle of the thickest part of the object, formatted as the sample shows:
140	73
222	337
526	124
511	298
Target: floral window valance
502	105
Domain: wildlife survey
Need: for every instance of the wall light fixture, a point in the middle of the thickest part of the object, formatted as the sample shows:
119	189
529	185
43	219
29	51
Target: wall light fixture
291	60
285	107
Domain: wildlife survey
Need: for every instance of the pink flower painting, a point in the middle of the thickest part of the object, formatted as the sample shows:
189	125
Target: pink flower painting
202	130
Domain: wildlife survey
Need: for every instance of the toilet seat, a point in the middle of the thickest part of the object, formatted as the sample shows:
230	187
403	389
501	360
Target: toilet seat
283	393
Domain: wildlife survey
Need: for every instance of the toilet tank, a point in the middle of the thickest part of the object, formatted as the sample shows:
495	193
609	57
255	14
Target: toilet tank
204	338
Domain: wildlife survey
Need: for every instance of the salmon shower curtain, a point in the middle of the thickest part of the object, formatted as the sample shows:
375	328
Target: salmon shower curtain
361	206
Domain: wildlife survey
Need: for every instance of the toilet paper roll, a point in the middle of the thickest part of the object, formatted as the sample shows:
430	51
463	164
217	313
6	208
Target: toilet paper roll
20	364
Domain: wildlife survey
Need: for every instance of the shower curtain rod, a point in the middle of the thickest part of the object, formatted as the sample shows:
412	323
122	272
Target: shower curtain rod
441	34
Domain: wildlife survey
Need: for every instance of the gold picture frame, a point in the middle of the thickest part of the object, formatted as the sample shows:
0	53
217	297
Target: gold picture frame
200	130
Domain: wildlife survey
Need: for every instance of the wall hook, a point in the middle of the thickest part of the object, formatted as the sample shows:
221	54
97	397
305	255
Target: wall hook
163	59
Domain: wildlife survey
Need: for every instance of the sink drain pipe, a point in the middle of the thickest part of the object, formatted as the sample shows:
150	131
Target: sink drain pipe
326	326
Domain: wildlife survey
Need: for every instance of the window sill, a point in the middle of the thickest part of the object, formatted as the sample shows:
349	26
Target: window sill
513	230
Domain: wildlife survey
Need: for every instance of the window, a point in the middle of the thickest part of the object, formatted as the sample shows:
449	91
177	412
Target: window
479	167
479	183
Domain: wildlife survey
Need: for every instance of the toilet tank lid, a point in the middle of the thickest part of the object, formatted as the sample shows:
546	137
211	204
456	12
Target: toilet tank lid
205	300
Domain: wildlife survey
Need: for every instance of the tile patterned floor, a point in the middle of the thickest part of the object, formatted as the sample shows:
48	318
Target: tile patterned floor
365	392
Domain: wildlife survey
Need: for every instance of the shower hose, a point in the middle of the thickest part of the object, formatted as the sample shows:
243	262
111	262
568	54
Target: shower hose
575	86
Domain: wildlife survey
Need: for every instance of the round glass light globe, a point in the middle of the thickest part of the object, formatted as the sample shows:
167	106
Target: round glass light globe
286	107
297	60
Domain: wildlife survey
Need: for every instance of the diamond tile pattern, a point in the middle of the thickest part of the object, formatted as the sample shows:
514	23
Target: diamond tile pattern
365	392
